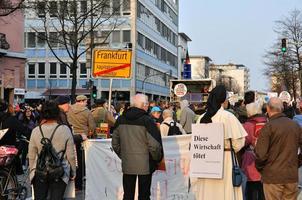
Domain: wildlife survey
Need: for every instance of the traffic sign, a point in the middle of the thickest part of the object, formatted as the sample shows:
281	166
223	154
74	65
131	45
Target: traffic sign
111	63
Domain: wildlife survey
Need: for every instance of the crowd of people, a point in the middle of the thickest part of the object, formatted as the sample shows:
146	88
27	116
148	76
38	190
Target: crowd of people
265	135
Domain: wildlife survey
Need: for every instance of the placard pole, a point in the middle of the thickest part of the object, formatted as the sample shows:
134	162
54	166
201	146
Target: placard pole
110	94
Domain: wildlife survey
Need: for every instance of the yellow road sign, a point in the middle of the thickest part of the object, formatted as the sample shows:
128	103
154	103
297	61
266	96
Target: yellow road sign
111	63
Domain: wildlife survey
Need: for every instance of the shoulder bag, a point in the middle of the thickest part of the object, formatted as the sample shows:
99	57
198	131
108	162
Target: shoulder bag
237	176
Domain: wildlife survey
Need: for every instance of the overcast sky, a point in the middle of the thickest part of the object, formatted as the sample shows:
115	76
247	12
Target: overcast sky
236	31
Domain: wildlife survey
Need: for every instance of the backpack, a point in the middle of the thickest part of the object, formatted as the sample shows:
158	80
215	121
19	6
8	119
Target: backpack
173	129
49	165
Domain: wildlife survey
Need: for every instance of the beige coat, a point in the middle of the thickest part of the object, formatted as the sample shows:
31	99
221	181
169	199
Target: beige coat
61	136
223	189
81	119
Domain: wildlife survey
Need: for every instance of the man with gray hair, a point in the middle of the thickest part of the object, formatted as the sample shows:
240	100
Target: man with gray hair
276	154
137	141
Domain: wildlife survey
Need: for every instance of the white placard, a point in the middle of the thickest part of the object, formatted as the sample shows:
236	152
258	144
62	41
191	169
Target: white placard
104	172
207	148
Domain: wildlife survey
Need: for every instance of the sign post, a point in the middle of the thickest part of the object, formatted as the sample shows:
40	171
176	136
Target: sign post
207	148
111	64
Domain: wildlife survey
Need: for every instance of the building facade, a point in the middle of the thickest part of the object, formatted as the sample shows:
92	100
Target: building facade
234	76
182	52
12	58
151	27
200	66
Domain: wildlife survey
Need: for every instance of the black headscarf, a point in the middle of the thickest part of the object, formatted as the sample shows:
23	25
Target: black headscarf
216	98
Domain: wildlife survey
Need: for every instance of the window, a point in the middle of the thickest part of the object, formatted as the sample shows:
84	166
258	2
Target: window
41	8
41	70
53	39
53	8
41	39
126	7
53	70
147	71
63	71
31	39
163	55
116	37
63	10
83	70
31	71
105	35
72	6
158	24
106	7
83	6
140	40
148	44
126	36
116	6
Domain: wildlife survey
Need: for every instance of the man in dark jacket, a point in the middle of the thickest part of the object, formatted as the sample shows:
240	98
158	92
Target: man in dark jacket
137	141
276	153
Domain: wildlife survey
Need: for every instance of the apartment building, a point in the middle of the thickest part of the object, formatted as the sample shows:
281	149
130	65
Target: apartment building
12	58
151	27
235	76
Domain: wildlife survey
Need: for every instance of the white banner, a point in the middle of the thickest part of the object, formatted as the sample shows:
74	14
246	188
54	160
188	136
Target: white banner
104	174
207	148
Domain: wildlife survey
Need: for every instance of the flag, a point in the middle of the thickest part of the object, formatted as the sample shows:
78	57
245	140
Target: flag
187	61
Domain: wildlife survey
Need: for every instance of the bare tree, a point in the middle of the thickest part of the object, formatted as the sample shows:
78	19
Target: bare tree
7	7
71	24
282	71
230	83
290	28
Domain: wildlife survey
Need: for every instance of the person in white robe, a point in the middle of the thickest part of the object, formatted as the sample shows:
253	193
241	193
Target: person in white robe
221	189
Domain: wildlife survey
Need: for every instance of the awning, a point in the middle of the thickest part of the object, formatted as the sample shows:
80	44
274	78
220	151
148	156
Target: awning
57	92
33	95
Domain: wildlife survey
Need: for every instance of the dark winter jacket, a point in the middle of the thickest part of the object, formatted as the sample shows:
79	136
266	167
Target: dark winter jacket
137	141
14	126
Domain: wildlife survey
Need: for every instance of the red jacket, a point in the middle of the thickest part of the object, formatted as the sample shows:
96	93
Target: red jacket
248	159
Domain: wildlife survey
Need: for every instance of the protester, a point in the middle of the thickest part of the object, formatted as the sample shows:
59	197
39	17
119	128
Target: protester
83	124
253	125
152	104
8	121
222	188
298	117
187	116
28	120
276	154
62	141
288	110
155	114
137	141
101	114
169	121
64	105
249	97
240	110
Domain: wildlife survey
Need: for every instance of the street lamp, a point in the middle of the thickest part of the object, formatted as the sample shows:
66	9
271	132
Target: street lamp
144	81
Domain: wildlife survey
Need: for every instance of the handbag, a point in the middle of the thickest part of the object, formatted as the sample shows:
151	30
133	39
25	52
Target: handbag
237	176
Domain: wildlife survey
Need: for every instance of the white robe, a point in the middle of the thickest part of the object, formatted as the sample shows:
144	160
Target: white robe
222	189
